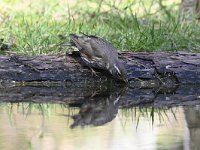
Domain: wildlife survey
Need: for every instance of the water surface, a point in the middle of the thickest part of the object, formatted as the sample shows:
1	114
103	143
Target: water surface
31	126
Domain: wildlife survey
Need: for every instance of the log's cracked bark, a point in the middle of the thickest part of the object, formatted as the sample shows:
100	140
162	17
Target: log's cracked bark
185	67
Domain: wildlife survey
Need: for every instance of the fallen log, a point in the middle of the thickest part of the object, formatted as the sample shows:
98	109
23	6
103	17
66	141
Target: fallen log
183	67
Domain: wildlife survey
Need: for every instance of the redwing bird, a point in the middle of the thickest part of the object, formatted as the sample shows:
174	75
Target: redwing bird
98	53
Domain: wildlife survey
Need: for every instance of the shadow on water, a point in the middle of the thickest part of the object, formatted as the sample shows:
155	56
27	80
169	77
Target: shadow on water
97	106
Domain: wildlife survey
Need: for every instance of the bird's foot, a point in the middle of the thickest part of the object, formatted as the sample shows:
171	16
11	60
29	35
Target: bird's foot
95	93
94	73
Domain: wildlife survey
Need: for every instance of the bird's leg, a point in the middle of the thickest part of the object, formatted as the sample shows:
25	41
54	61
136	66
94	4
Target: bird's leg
93	72
95	93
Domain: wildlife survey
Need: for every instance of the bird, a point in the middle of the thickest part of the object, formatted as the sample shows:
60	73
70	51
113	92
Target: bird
100	54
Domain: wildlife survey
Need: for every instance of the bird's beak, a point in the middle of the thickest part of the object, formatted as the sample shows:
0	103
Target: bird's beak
126	80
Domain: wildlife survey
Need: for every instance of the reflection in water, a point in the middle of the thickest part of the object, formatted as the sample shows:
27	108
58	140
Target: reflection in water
97	112
106	117
97	109
192	115
43	126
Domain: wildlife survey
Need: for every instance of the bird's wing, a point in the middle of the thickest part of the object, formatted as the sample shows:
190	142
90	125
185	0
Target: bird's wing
83	46
102	48
94	48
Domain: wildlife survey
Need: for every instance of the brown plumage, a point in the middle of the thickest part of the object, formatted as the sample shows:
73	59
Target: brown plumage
98	53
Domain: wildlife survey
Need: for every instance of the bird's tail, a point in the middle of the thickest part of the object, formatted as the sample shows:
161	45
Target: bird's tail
74	36
76	41
73	39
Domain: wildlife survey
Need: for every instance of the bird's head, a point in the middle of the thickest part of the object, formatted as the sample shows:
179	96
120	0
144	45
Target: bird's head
118	70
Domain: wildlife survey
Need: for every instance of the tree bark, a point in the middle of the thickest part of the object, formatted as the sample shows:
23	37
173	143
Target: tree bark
189	10
198	9
181	66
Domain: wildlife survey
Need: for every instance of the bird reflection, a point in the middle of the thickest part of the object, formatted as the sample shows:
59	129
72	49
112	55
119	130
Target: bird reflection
97	110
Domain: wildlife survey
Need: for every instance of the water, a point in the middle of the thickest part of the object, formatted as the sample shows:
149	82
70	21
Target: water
99	117
32	126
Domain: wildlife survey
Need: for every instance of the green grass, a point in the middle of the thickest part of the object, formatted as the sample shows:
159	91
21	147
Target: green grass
132	25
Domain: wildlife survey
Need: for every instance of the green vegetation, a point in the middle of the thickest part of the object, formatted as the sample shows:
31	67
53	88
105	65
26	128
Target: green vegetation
36	27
